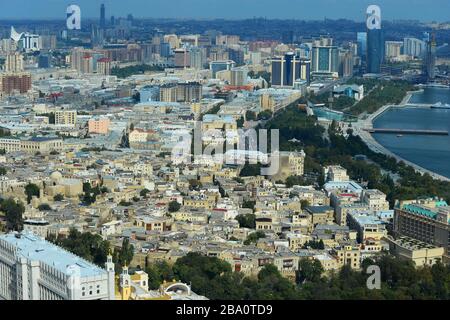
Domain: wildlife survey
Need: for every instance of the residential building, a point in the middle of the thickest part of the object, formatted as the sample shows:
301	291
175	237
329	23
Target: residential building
419	252
426	220
66	118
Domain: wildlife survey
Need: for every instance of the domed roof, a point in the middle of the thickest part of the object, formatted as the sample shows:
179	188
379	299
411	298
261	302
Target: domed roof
56	176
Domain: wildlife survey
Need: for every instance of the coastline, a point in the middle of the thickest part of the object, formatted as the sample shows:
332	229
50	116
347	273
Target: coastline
362	125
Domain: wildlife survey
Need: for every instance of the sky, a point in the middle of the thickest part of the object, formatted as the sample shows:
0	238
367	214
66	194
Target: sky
424	10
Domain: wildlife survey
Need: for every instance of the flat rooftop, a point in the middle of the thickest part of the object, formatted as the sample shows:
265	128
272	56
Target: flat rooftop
34	248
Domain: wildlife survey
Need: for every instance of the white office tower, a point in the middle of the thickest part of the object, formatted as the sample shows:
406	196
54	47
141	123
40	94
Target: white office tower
34	269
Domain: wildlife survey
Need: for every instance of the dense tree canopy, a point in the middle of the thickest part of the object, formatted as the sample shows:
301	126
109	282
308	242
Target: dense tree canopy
214	279
13	211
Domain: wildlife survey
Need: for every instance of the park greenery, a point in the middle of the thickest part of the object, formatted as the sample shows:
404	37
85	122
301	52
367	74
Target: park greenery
389	92
132	70
215	279
334	148
378	93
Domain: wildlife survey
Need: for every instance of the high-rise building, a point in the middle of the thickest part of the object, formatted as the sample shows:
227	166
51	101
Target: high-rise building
393	49
17	82
375	50
413	47
197	58
236	55
102	16
189	92
14	62
425	220
216	66
168	93
239	76
289	68
346	62
104	66
430	57
361	39
182	59
48	42
325	62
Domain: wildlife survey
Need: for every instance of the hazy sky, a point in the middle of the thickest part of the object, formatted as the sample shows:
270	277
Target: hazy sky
425	10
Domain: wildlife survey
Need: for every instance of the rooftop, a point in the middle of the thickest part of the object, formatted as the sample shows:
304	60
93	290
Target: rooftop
34	248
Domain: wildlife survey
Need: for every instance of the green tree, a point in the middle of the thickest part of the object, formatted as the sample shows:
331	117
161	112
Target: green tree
309	270
174	206
144	193
247	221
86	245
265	115
31	190
44	207
14	214
250	116
254	237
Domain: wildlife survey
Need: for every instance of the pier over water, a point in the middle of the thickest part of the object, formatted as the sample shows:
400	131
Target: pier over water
408	131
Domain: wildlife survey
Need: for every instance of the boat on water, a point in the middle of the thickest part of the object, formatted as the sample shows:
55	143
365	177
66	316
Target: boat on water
399	135
440	105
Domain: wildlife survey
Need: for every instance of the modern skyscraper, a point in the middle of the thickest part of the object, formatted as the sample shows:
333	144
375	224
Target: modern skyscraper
102	16
375	50
414	47
430	57
361	39
289	68
325	61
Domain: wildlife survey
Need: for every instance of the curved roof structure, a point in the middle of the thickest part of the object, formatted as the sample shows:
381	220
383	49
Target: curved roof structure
15	35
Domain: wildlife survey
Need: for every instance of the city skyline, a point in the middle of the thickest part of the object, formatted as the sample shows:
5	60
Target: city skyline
233	9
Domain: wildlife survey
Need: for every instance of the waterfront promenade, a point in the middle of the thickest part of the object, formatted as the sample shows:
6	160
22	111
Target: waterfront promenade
363	126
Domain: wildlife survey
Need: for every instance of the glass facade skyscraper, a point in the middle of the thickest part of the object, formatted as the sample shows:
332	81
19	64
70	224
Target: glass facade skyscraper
375	50
102	16
289	68
325	61
361	39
